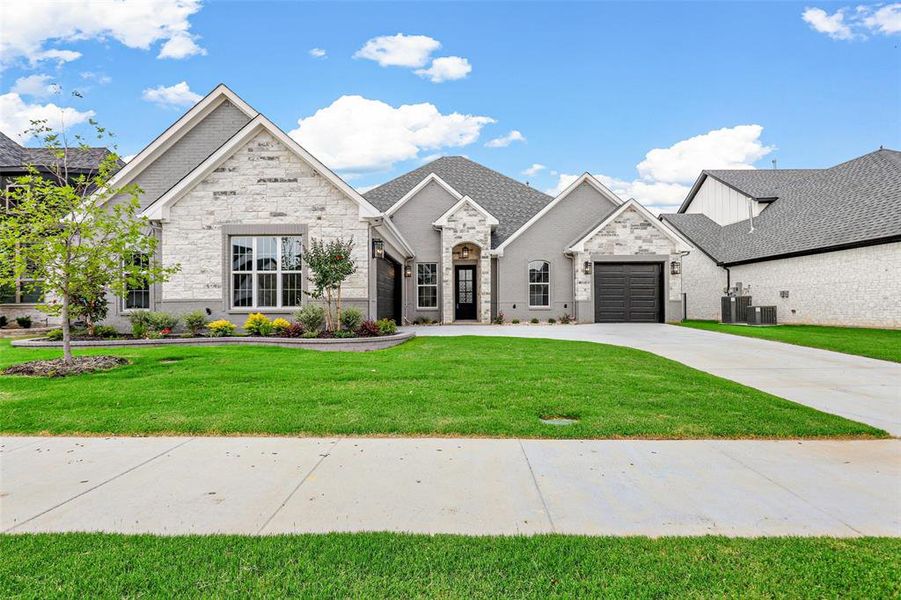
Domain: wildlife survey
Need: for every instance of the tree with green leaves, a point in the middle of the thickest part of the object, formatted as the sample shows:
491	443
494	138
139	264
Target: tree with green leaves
330	264
64	233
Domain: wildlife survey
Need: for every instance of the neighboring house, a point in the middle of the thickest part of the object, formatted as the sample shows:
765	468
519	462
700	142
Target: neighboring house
822	245
234	200
23	298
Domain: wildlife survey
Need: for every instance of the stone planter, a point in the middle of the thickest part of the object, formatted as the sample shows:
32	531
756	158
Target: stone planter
359	344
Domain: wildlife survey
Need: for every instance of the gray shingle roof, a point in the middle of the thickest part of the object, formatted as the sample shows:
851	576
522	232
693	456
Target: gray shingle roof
763	183
12	155
511	202
858	201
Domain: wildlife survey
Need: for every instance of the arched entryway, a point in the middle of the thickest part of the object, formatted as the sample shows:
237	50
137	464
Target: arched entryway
466	290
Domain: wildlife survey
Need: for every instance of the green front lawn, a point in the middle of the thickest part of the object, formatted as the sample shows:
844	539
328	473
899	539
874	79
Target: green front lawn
884	344
386	565
470	386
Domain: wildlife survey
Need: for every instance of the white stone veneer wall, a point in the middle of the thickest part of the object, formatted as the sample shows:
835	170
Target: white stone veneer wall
857	287
262	183
466	225
630	234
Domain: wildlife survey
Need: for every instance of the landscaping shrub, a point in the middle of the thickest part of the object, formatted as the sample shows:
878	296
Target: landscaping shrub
293	330
566	318
551	321
140	322
515	321
24	322
258	324
280	325
162	321
221	328
344	334
387	327
534	321
310	334
195	322
54	335
312	317
368	328
499	319
106	332
351	319
3	321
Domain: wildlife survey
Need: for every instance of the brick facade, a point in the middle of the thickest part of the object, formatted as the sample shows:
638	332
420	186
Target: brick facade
466	224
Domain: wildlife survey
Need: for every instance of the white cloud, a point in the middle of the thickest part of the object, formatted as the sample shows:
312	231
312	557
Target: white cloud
318	53
37	86
100	78
356	134
177	95
534	169
847	24
506	140
728	148
399	50
31	24
16	116
885	20
666	174
832	25
446	68
180	45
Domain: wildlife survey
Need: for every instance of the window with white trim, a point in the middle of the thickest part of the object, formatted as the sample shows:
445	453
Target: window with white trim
137	291
9	201
266	271
539	284
427	285
26	290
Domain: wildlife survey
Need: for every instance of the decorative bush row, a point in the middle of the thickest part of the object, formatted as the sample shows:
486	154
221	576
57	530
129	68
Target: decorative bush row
24	321
565	319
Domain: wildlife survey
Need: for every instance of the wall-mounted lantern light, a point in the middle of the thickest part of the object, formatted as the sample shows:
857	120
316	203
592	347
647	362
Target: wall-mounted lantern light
464	252
408	270
378	249
675	267
586	268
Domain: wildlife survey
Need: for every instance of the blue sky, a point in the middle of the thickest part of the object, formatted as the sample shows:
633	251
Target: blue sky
589	87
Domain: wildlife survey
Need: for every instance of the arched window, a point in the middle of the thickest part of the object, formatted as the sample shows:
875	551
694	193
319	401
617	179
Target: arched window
539	284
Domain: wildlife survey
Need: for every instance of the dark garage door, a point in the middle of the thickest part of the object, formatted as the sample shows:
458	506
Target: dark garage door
628	292
387	283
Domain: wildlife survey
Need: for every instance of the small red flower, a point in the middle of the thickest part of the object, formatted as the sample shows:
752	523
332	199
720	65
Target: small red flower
166	331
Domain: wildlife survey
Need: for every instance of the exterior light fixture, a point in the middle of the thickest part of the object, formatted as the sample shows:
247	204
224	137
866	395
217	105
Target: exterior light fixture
408	270
586	268
378	249
675	267
464	252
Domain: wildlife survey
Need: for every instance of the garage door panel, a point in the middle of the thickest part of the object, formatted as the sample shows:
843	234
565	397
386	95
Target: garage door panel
628	292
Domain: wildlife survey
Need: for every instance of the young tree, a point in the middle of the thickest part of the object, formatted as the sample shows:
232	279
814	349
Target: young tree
330	265
65	237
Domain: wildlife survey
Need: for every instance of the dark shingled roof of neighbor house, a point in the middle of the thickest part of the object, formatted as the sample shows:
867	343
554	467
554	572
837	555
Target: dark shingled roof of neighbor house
511	202
853	203
15	156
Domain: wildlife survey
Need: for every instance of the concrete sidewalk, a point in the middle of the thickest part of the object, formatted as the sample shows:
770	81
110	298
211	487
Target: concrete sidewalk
858	388
472	486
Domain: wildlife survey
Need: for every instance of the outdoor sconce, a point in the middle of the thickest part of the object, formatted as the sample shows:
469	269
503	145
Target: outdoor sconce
464	252
378	249
675	267
408	271
586	268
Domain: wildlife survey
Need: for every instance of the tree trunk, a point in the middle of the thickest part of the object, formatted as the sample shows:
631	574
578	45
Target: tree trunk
338	305
67	334
328	310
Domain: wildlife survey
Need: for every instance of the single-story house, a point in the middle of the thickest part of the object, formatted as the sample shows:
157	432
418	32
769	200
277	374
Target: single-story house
234	201
822	245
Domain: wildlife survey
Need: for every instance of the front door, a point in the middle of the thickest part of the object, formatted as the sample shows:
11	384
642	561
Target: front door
465	292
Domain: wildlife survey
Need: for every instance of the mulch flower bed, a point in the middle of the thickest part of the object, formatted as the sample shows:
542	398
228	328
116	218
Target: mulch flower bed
59	368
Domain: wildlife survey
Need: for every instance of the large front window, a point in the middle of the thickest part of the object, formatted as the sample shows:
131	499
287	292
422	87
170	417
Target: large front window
26	290
266	271
539	284
137	291
427	285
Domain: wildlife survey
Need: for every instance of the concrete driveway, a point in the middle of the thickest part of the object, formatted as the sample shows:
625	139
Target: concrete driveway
861	389
468	486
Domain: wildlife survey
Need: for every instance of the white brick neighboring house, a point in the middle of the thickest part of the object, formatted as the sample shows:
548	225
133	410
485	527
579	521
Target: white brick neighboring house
822	245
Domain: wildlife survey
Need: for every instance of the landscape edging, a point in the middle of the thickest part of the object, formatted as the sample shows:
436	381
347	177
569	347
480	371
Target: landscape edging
359	344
